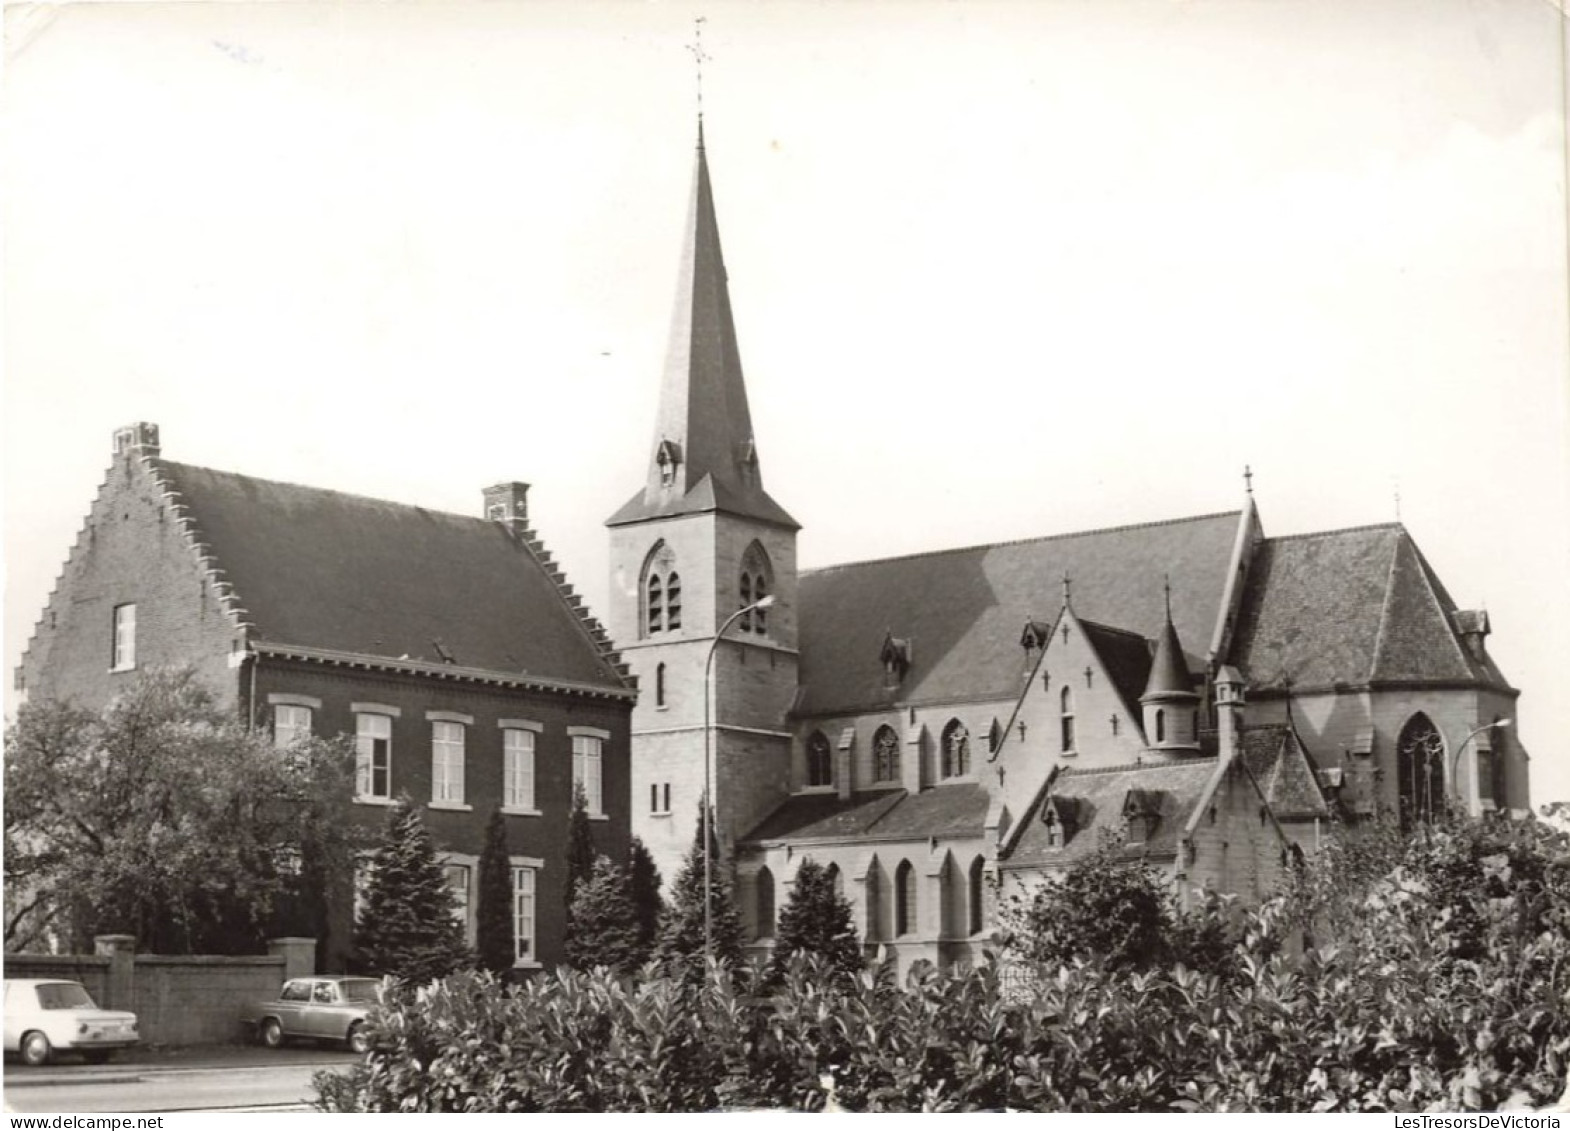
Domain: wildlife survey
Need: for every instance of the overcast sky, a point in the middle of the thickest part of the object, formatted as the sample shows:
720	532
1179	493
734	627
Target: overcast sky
999	270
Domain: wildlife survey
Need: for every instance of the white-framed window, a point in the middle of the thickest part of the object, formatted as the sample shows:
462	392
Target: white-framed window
447	762
517	769
458	883
291	723
124	654
523	913
587	765
373	756
660	798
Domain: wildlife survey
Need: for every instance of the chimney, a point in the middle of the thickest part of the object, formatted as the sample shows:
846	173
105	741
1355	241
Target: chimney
1472	627
139	439
508	504
1229	711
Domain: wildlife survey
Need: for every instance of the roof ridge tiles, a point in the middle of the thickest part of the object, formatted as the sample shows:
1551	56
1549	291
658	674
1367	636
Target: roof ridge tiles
1093	771
1105	627
1392	526
1063	536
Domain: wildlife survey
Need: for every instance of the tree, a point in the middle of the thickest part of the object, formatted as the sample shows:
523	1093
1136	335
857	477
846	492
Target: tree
605	922
163	817
406	927
817	920
681	943
580	848
495	946
644	883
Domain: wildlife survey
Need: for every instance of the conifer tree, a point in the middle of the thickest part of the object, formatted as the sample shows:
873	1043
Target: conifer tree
817	920
580	849
494	942
681	945
604	922
643	877
406	928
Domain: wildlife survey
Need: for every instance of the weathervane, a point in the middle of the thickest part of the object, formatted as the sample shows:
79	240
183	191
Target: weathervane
699	58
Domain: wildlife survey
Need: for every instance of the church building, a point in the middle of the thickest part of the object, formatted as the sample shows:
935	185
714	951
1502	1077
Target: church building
929	726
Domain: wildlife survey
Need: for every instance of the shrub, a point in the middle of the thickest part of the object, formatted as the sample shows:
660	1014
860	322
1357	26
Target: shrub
605	922
495	946
817	920
406	928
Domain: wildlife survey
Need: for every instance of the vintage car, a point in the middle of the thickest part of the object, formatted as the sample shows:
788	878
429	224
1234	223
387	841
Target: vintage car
45	1015
323	1007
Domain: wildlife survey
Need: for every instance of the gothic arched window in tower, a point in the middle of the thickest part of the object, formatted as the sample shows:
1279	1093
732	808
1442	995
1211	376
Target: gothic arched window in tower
820	760
956	750
885	755
756	584
659	686
1066	718
661	591
1420	770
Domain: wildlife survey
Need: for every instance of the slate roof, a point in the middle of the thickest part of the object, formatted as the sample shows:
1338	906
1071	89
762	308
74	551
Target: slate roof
958	810
703	412
1349	606
962	609
327	570
1285	772
1126	656
1098	796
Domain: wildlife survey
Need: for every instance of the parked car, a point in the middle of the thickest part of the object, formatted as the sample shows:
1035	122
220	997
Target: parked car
325	1007
45	1015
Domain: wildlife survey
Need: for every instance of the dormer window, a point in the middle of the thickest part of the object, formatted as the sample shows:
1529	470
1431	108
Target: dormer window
667	456
1141	812
1058	814
895	656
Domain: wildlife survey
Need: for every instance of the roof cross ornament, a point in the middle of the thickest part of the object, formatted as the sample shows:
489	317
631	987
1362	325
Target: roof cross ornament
699	57
1248	479
1166	586
1065	589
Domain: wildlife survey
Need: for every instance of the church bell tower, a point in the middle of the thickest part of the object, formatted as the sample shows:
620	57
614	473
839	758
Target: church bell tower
699	542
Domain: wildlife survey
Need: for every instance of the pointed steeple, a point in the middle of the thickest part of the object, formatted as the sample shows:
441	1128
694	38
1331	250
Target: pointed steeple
1170	702
705	456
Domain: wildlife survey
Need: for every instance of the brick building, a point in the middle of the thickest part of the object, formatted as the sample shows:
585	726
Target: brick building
450	647
1208	694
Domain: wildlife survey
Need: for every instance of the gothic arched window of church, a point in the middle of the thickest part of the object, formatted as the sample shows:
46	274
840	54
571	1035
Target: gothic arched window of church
974	892
1066	718
885	755
659	686
956	750
836	879
661	591
820	760
994	737
756	584
904	899
1420	770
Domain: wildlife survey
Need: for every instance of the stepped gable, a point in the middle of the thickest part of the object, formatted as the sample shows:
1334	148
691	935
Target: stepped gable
962	608
1349	607
1097	797
343	573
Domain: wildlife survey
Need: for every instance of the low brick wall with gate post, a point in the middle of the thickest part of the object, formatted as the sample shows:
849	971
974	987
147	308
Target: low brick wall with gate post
192	999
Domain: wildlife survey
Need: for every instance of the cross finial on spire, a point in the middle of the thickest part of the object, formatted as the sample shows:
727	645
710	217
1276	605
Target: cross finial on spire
1398	499
1166	586
698	59
1065	587
1248	479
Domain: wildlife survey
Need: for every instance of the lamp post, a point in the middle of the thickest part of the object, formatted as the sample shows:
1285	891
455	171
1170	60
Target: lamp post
1455	761
708	836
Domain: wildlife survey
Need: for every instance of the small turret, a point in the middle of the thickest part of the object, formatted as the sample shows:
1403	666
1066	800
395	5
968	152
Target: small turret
1171	705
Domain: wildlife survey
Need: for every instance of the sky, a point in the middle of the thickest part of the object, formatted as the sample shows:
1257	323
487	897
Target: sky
999	270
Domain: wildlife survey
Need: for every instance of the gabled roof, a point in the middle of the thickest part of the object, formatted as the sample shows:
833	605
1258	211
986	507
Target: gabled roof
704	427
1125	655
1284	771
1353	607
961	609
957	810
1099	797
342	573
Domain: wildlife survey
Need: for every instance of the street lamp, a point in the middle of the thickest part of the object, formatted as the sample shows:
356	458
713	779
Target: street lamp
708	863
1455	761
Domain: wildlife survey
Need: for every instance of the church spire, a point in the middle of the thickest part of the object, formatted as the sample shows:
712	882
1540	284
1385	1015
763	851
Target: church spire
704	456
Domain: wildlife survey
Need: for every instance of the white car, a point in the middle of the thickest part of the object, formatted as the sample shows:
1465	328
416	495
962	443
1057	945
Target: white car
44	1015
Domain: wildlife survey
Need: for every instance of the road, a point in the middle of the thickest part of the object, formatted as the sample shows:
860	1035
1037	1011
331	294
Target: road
279	1082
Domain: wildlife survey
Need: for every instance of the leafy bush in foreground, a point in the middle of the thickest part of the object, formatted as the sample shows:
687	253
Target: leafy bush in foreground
1447	989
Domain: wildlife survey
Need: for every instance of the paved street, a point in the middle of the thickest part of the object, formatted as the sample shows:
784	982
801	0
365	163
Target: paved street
222	1080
